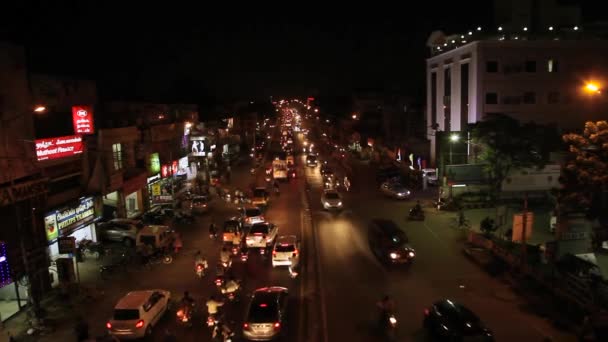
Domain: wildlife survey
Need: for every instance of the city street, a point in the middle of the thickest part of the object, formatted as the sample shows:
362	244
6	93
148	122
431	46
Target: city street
353	280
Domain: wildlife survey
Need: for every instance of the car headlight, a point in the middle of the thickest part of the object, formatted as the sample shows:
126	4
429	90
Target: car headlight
325	202
394	255
411	254
339	204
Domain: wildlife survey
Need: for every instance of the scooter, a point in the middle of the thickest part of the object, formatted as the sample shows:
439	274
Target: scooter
200	269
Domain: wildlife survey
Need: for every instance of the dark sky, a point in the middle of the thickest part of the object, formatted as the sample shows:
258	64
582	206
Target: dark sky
181	53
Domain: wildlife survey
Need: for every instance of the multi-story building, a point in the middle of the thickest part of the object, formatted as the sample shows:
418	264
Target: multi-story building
529	76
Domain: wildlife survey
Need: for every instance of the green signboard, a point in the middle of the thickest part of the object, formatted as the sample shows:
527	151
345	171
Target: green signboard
154	163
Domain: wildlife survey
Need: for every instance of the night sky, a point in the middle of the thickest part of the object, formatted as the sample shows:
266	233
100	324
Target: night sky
174	53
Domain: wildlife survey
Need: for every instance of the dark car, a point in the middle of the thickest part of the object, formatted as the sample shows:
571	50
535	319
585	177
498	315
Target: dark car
266	314
389	243
447	320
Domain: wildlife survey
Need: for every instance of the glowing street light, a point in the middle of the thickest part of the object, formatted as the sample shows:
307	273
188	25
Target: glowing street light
354	116
454	137
316	110
188	125
40	109
592	87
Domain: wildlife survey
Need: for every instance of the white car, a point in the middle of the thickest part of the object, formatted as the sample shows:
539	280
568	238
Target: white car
285	251
331	199
395	190
261	235
137	313
251	215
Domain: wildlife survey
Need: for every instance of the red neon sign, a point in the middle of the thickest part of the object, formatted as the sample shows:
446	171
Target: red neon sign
54	148
82	118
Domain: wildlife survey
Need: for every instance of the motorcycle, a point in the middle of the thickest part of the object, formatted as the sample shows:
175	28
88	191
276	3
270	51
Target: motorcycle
184	316
222	333
390	326
231	296
416	215
200	270
212	321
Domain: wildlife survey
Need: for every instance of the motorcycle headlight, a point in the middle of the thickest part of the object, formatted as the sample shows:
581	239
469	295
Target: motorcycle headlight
394	255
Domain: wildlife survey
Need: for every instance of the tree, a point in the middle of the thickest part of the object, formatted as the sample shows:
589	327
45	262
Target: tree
585	175
507	145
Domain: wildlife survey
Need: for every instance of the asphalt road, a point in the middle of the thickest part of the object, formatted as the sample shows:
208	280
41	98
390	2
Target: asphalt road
352	280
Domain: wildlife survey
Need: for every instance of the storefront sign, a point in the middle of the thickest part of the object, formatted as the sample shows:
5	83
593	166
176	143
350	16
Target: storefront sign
168	170
66	244
58	220
54	148
5	271
154	163
82	118
133	184
174	167
22	191
198	146
153	179
183	163
156	189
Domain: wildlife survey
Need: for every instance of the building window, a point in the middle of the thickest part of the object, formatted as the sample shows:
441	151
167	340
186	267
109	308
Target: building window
491	66
117	156
553	97
530	66
552	66
491	98
529	97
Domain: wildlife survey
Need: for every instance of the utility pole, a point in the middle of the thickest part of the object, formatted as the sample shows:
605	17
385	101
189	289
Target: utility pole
524	246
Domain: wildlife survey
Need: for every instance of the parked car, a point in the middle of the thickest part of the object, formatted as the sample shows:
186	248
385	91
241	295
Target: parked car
395	190
120	230
450	321
137	313
431	176
266	314
389	243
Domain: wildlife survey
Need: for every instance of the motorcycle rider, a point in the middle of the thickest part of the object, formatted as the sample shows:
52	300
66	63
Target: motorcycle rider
346	183
386	306
187	303
225	257
200	260
231	286
213	306
417	210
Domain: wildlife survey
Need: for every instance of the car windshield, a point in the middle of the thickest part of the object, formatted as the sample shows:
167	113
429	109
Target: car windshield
259	228
263	312
311	158
332	195
252	212
285	248
259	193
126	314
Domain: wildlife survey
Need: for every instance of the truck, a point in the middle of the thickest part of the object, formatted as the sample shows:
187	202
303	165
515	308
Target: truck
279	169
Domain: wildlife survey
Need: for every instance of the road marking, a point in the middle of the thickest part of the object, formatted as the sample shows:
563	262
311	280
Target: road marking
432	232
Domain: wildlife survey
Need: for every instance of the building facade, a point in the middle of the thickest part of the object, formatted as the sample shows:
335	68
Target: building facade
538	79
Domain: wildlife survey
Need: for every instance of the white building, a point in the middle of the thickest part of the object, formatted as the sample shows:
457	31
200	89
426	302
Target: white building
537	78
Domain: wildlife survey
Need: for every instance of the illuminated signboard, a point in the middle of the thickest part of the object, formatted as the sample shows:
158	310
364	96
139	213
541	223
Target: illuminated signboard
82	118
183	163
5	271
54	148
198	146
154	163
58	220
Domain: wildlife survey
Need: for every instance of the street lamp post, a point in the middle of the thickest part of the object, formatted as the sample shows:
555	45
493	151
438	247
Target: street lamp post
453	139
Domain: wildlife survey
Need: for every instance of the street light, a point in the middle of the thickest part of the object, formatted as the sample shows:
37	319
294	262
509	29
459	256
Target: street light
40	109
453	139
354	116
592	87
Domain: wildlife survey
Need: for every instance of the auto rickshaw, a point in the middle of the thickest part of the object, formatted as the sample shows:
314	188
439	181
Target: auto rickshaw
231	226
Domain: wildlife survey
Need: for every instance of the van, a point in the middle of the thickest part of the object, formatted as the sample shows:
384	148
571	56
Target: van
155	235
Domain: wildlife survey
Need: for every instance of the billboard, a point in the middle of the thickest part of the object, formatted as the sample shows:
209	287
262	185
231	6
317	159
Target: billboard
154	163
82	118
54	148
198	146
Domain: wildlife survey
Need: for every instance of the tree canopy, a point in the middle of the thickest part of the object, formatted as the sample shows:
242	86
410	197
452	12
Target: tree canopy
508	144
585	175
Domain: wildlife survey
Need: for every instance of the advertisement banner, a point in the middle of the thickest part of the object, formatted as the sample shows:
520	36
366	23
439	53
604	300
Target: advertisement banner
183	163
198	146
82	118
156	189
61	147
60	219
154	163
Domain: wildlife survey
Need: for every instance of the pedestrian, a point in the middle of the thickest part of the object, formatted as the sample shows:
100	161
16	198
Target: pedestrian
177	243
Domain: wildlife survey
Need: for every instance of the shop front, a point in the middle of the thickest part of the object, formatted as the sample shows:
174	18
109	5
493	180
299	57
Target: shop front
75	220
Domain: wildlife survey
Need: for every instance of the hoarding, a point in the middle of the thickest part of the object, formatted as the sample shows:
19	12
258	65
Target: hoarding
198	146
154	163
59	219
60	147
82	118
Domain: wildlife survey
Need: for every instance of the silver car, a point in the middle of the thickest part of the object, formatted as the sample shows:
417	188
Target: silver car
331	199
395	190
266	314
120	230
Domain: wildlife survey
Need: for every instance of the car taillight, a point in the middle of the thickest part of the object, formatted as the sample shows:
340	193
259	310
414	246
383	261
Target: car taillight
109	325
139	323
245	326
426	312
277	326
218	282
199	267
274	253
180	313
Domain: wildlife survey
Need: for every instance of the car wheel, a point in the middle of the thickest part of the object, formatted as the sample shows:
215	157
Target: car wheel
128	242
